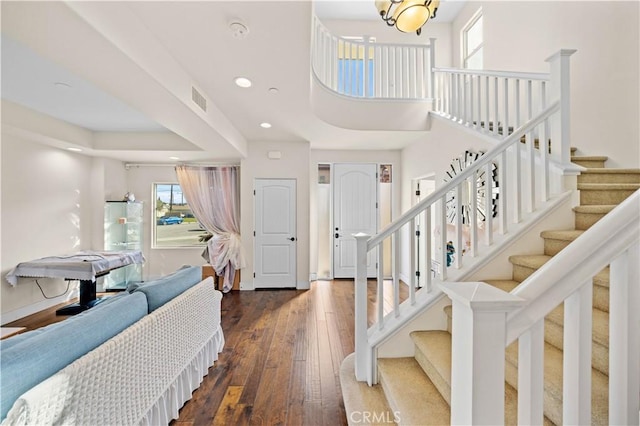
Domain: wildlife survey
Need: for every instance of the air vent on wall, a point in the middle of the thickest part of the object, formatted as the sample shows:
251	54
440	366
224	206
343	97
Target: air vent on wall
199	99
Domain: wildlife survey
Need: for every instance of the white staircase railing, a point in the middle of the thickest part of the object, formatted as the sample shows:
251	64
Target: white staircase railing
363	68
526	180
493	319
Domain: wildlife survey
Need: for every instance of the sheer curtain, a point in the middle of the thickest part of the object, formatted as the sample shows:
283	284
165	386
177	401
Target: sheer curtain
213	193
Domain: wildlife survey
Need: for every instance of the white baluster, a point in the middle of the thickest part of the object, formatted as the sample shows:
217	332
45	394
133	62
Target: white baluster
479	100
362	358
365	68
518	189
443	238
427	235
380	283
624	341
431	65
395	254
505	126
459	225
517	103
532	151
473	231
488	207
487	101
531	375
412	261
576	378
496	118
543	145
471	102
502	188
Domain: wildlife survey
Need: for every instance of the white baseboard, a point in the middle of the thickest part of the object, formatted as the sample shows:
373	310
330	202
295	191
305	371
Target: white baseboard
8	317
244	285
302	285
313	276
403	278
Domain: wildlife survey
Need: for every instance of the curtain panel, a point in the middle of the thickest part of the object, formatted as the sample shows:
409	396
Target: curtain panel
213	193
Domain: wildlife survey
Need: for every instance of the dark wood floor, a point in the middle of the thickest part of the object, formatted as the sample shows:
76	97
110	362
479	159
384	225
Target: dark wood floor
281	360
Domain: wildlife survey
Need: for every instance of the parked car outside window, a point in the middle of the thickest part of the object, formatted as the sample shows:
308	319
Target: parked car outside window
170	220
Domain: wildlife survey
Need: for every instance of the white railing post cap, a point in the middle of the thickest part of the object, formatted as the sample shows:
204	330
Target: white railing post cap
479	296
361	235
561	52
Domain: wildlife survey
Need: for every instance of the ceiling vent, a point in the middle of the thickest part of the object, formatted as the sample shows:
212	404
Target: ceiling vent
199	99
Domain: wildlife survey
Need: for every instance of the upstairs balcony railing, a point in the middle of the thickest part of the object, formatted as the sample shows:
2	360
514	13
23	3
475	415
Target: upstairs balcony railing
363	68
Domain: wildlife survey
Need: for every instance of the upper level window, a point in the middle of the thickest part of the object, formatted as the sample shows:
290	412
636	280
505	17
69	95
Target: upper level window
472	41
174	224
352	78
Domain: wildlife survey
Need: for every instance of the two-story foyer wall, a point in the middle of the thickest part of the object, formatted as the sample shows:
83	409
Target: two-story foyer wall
605	73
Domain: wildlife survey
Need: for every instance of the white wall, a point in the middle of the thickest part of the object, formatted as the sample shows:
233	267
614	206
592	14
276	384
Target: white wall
293	164
347	156
46	210
605	82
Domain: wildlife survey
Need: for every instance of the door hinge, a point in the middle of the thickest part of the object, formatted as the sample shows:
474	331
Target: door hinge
418	193
254	275
254	233
417	273
417	233
376	205
254	192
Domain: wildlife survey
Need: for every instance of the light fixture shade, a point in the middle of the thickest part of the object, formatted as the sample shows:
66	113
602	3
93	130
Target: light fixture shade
411	15
383	6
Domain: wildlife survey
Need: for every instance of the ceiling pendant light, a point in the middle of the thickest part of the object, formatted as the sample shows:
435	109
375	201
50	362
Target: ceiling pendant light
407	15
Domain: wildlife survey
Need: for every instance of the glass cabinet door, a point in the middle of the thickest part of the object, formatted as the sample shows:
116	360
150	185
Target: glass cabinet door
122	231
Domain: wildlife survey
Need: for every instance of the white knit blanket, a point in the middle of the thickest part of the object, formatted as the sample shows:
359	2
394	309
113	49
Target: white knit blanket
142	376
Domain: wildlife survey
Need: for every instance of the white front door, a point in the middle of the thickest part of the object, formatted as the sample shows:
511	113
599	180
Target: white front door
355	201
275	233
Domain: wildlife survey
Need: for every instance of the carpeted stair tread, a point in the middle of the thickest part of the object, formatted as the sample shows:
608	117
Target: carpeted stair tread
504	285
590	157
435	347
606	175
410	393
608	186
534	261
553	385
568	235
359	397
595	208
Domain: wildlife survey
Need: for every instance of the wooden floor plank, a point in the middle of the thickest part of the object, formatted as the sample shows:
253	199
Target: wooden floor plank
280	364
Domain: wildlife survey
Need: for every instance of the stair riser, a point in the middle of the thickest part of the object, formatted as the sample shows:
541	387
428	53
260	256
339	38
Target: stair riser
601	298
436	378
521	273
604	197
590	164
609	178
585	221
554	335
553	247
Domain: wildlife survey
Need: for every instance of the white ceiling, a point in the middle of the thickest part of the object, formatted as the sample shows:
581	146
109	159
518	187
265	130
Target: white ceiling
196	36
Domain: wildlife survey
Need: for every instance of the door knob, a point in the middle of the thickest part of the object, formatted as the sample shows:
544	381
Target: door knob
292	239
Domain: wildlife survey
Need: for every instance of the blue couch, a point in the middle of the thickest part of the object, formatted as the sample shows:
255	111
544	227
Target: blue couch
30	358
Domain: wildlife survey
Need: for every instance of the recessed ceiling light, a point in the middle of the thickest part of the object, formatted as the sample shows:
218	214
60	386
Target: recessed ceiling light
243	82
71	148
174	158
273	90
265	125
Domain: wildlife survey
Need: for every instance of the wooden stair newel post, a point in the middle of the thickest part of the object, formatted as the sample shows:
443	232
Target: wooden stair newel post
362	358
478	351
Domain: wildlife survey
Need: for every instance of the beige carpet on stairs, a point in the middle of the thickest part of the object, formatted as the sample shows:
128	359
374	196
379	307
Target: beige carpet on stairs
418	389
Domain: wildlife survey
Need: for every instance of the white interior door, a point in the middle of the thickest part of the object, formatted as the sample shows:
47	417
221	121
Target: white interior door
275	233
354	210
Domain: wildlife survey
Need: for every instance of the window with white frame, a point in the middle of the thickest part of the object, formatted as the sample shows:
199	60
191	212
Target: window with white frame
472	41
174	225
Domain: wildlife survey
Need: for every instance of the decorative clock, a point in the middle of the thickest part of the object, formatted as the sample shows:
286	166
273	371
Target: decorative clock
486	186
